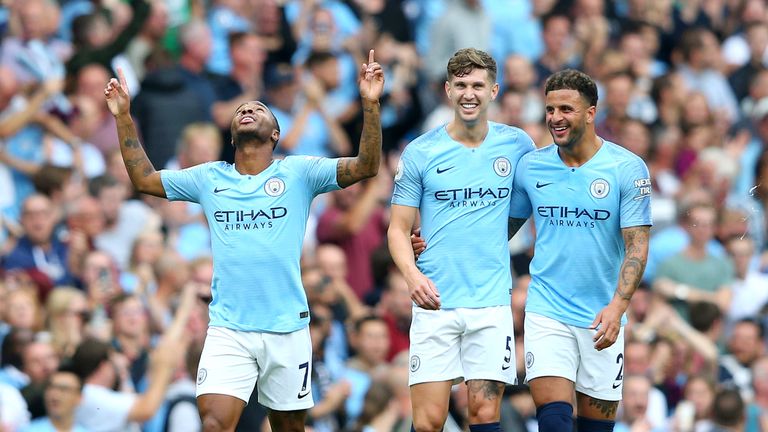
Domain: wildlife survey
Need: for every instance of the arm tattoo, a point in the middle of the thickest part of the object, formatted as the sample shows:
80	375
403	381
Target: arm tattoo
514	226
366	163
488	390
635	257
136	161
608	408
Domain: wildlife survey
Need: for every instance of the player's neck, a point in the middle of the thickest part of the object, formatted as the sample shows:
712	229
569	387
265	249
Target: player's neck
66	422
253	158
582	151
469	134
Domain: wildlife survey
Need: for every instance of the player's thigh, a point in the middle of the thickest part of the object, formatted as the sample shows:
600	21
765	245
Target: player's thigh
551	350
286	371
288	421
435	346
488	345
601	373
546	389
227	364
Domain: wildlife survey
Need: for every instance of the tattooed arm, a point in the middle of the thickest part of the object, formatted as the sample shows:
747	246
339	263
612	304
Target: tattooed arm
366	163
635	257
143	175
608	321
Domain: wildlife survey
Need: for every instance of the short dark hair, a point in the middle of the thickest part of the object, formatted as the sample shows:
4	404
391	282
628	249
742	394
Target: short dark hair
465	60
89	355
316	58
728	407
97	184
68	367
572	79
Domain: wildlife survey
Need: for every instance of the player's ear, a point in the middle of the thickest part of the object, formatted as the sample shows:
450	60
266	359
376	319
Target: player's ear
275	138
591	114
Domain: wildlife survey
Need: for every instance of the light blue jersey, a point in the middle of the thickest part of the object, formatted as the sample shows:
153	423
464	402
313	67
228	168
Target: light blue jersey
463	196
257	225
579	214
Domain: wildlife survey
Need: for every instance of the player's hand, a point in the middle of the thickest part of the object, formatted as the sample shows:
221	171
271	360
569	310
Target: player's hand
116	93
417	243
607	323
423	291
371	79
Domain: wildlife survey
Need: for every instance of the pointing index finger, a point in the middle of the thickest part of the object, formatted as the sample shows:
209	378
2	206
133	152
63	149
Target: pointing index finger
123	83
370	57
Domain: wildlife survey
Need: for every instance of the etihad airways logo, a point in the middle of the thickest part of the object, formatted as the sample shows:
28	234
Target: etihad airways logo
472	197
572	216
238	220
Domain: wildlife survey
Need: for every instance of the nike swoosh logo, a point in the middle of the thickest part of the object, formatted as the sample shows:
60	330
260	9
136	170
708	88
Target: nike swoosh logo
615	386
505	367
217	190
440	171
541	185
302	396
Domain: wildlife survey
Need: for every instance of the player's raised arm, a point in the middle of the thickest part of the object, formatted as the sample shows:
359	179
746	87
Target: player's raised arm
366	164
143	175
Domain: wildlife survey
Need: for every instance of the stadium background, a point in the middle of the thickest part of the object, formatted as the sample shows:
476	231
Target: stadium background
683	84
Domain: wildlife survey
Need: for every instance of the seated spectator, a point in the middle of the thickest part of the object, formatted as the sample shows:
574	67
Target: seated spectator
63	393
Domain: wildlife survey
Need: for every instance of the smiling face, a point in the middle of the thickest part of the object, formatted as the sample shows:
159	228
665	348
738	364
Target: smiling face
568	117
471	94
253	121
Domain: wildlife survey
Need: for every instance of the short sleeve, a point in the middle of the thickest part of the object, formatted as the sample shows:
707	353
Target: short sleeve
520	206
635	194
321	173
186	184
408	186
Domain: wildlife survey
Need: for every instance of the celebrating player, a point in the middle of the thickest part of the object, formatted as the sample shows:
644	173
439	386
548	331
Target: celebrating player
257	211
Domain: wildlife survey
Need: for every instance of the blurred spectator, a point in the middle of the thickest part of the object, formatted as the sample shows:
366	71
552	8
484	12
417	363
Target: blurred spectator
125	219
728	411
242	82
756	37
89	83
694	412
395	308
270	22
102	370
225	17
181	404
557	36
447	35
634	405
63	393
167	103
39	249
67	312
172	274
749	293
98	41
13	411
131	336
695	274
746	344
195	38
39	362
13	346
700	60
356	221
370	340
149	38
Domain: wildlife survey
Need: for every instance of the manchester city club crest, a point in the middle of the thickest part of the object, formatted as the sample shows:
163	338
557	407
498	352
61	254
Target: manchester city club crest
502	166
528	359
599	188
274	187
415	363
202	374
399	171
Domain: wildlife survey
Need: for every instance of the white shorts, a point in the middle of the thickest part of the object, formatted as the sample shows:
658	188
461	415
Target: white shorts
462	344
233	361
556	349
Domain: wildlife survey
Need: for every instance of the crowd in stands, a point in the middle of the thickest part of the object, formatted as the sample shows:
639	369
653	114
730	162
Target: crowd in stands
104	292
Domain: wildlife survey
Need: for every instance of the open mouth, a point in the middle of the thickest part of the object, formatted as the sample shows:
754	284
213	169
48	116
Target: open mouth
247	119
559	130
